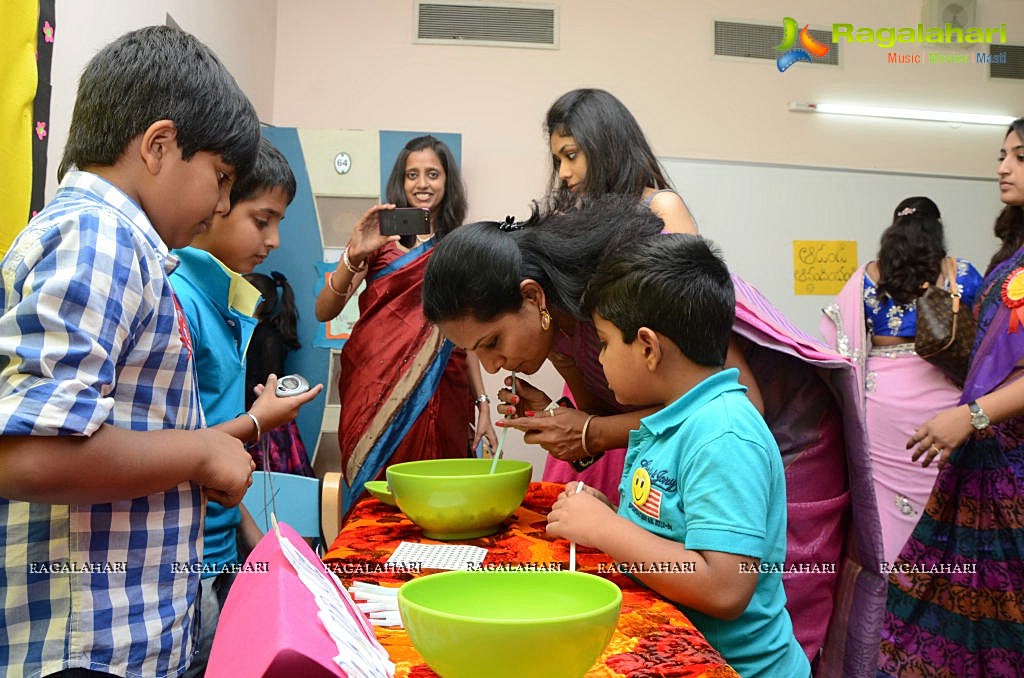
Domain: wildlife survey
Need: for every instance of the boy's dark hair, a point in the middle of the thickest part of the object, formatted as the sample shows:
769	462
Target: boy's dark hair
477	269
275	334
270	170
675	284
452	210
159	73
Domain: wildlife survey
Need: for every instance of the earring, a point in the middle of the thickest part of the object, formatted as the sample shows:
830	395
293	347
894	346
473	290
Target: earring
545	319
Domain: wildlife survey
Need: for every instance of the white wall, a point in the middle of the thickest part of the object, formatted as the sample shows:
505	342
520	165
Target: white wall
354	65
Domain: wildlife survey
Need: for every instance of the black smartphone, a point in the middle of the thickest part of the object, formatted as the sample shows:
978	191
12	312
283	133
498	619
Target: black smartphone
404	221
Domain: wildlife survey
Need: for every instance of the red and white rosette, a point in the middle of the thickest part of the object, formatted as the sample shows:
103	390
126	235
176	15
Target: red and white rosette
1013	297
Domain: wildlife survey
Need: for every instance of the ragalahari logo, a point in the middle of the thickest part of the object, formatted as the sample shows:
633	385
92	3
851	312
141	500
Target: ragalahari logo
809	46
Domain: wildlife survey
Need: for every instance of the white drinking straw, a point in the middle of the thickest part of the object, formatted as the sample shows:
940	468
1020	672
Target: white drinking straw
504	432
572	544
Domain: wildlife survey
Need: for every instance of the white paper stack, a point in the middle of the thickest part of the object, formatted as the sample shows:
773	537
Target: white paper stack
360	655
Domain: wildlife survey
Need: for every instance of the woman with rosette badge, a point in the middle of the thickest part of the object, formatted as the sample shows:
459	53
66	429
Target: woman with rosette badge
956	592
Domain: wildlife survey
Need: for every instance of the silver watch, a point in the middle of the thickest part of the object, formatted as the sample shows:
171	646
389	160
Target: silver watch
979	419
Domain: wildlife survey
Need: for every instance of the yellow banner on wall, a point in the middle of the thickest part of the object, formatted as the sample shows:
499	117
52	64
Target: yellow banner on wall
18	74
823	266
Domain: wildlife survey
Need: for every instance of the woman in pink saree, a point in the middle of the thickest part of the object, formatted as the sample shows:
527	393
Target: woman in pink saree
873	322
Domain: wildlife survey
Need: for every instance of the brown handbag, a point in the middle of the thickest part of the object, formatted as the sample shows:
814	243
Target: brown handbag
945	327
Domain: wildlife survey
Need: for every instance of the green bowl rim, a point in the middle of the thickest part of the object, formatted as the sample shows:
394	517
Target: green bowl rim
525	465
378	489
515	622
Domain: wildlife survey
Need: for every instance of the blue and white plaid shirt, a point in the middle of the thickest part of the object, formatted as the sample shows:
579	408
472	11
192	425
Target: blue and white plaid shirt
90	333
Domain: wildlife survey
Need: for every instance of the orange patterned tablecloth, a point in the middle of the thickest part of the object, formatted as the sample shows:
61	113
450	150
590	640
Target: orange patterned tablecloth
653	638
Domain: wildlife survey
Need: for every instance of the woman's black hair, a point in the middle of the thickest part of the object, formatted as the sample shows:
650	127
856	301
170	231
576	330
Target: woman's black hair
1009	226
911	249
452	210
619	159
276	331
476	270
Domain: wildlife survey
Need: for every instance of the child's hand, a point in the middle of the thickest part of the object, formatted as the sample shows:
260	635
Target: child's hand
578	517
273	411
366	237
226	472
572	487
527	398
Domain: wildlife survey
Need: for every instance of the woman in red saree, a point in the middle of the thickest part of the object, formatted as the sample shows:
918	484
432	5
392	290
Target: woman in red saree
406	393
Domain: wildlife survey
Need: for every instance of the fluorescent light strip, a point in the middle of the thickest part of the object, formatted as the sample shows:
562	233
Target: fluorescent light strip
902	113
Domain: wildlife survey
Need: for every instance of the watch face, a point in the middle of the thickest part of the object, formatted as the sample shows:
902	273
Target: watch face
979	419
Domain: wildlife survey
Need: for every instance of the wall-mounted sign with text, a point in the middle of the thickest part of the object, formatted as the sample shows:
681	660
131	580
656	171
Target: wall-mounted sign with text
823	266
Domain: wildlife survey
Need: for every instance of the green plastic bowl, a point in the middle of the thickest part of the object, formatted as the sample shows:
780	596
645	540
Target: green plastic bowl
501	624
379	490
459	498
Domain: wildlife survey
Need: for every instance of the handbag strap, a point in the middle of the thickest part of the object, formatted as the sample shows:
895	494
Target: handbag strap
949	271
952	286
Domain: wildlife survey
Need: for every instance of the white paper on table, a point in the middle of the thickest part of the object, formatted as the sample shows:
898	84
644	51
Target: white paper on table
438	556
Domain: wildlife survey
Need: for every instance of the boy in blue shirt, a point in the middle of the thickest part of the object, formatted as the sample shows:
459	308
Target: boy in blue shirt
219	305
703	491
105	463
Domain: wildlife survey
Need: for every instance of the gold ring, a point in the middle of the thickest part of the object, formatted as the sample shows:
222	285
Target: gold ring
935	448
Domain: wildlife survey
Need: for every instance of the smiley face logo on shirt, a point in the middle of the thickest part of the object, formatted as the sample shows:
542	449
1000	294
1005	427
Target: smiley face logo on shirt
641	486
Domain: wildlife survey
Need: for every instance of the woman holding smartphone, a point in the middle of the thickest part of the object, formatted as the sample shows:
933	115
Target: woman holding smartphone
406	392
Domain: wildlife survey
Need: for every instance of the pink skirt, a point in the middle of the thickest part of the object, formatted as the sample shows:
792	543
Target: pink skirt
902	392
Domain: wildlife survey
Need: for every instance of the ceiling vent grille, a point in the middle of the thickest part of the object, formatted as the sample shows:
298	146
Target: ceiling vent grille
758	41
1014	58
493	24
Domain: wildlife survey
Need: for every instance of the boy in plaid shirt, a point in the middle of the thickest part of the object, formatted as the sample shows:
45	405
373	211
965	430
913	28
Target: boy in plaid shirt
105	464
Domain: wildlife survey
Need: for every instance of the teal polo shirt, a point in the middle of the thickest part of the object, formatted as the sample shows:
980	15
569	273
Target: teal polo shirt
705	471
219	305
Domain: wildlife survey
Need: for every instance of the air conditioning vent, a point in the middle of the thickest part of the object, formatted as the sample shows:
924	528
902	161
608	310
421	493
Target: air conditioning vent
758	41
493	24
1014	58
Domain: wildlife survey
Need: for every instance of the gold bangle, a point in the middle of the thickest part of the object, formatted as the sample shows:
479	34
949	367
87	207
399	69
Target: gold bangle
583	435
330	284
348	262
259	431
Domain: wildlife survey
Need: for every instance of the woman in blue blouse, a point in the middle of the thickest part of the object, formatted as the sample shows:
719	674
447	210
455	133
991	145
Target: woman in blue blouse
873	322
